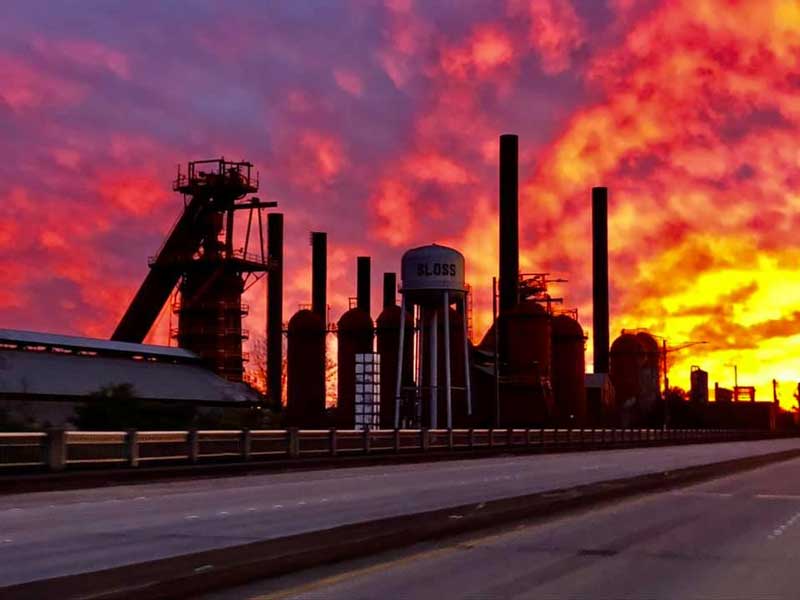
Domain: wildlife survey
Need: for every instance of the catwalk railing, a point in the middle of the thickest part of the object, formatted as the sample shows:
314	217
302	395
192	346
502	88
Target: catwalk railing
57	450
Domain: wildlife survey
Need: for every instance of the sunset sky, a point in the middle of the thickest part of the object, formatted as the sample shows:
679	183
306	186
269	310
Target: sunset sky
377	121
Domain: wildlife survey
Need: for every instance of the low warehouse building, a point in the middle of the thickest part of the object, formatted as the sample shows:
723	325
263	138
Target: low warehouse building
46	378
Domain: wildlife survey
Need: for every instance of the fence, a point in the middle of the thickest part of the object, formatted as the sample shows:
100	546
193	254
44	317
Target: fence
58	449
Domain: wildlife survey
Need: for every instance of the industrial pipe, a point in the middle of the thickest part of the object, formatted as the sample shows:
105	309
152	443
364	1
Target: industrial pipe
509	223
389	289
275	309
600	278
319	273
363	295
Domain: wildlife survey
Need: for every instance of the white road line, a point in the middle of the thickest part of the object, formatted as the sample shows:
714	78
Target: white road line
277	506
704	494
778	496
190	517
223	513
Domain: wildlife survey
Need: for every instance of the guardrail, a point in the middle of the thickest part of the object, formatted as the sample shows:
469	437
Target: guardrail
58	449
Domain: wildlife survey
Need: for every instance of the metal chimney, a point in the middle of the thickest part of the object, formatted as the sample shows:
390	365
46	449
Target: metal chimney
600	278
509	223
389	289
363	293
275	308
319	274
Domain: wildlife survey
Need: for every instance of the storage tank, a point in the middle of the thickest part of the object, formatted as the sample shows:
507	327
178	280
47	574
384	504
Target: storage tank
568	371
354	333
527	398
305	370
649	395
388	342
527	332
627	361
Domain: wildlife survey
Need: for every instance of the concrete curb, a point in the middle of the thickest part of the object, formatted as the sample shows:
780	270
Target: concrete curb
193	574
25	483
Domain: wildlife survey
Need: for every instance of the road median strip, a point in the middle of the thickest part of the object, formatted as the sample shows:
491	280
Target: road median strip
192	574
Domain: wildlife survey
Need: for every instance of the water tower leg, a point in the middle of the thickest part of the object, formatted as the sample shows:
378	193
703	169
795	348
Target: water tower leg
434	364
466	358
398	385
447	382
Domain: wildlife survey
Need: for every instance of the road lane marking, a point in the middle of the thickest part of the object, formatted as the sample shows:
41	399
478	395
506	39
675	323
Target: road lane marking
223	513
277	506
778	496
703	494
191	517
784	526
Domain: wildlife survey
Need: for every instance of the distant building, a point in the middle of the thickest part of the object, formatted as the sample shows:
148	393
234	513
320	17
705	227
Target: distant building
599	397
699	385
44	376
722	394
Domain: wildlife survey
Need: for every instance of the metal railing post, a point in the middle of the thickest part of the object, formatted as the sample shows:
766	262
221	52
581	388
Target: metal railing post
293	446
491	438
246	442
332	440
193	443
365	437
132	447
424	440
397	441
471	438
449	439
56	449
509	437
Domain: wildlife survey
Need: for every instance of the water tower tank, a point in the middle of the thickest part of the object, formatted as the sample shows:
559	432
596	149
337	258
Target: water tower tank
428	271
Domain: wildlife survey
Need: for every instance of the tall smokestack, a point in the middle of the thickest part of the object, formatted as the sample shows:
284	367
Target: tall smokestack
509	223
319	274
275	308
389	289
600	277
363	299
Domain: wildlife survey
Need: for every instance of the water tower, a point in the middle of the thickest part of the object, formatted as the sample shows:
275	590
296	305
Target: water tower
432	280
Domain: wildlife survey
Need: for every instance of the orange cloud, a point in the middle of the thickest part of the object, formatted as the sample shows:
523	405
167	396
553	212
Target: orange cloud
487	49
555	31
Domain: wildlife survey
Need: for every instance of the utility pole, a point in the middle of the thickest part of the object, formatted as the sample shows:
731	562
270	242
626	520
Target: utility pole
664	351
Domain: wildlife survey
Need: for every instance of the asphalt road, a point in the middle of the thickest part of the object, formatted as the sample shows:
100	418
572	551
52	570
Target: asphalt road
737	537
58	533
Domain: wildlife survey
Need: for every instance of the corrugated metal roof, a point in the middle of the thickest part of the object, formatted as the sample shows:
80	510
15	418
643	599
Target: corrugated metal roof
52	374
72	342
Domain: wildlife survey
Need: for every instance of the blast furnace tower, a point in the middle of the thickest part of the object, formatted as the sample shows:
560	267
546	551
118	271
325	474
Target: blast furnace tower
210	265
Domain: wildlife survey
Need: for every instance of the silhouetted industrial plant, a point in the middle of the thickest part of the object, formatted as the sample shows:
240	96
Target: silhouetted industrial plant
415	366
